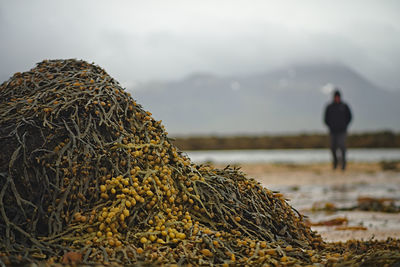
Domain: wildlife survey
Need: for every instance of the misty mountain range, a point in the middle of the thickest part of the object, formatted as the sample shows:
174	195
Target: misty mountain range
288	100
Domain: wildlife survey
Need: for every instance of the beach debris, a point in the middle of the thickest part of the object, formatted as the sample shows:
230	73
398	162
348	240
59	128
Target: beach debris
364	253
324	206
367	203
341	223
364	203
331	222
390	165
351	228
88	176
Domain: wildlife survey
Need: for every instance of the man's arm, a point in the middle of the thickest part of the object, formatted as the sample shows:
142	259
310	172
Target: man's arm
326	116
349	115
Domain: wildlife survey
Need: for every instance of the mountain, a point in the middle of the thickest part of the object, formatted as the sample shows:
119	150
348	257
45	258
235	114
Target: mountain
287	100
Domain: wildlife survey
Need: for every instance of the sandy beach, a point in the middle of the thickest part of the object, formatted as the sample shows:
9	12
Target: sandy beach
315	185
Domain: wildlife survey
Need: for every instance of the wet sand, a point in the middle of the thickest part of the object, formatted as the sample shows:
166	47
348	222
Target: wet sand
317	184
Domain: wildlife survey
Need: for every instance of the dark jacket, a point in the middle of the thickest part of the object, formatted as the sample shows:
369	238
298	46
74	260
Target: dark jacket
337	117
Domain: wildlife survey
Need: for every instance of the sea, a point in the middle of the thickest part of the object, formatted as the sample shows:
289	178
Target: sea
294	156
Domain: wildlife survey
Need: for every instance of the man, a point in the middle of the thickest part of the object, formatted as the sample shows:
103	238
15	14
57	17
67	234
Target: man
337	118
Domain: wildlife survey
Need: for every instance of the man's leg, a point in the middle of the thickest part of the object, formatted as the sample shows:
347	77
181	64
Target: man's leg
341	142
333	149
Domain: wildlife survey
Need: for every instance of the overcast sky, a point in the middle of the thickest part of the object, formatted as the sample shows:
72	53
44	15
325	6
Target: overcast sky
147	40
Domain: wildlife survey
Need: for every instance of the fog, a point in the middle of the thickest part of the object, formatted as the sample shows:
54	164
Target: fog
139	41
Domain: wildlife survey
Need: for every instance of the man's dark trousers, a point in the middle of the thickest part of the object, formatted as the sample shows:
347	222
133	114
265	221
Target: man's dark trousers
338	142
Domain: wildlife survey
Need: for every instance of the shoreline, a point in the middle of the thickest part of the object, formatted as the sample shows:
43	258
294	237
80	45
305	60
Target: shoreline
305	185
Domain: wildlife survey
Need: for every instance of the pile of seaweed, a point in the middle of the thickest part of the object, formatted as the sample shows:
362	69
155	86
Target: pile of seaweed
84	169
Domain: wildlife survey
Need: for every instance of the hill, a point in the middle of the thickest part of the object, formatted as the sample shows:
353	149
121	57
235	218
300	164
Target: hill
283	101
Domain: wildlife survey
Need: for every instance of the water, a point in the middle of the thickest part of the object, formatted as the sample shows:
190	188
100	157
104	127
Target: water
295	156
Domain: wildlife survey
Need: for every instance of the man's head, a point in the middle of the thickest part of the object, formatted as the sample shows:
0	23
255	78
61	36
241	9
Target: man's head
336	96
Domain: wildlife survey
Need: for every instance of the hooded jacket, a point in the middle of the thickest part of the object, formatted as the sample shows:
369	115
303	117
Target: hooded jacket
337	117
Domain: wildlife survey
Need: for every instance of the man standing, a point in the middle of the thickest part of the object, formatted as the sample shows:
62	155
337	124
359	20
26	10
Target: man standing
337	118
